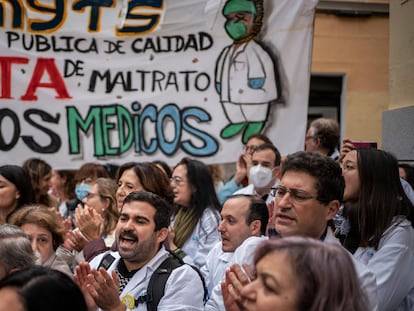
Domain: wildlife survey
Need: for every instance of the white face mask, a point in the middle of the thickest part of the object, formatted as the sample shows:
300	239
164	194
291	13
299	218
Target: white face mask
260	176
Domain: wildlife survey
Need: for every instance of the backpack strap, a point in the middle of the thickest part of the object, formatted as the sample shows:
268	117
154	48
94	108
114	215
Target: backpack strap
156	285
106	261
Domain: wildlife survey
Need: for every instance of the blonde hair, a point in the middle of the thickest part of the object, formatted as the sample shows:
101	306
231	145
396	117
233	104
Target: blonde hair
107	191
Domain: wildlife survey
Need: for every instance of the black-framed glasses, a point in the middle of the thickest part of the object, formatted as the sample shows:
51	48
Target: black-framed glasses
296	195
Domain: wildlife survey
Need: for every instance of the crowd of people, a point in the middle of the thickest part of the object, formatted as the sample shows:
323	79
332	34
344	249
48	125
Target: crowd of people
320	229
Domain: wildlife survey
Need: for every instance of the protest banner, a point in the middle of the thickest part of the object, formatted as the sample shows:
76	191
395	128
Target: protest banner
116	81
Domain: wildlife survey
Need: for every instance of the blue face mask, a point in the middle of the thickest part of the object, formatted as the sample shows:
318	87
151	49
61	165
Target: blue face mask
81	191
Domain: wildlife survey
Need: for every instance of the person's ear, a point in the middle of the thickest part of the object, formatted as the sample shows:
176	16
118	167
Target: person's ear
255	226
332	209
162	235
276	171
107	202
17	195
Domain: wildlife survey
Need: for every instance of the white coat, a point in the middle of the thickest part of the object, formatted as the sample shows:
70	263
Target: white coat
216	264
243	254
202	239
393	265
178	294
236	67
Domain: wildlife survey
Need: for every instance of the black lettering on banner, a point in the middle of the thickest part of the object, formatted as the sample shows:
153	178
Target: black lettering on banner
55	141
7	113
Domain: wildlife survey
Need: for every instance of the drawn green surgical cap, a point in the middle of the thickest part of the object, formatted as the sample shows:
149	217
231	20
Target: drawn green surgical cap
234	6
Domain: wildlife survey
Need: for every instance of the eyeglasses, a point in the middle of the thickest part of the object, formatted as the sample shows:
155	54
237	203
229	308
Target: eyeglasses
295	194
249	149
176	180
309	137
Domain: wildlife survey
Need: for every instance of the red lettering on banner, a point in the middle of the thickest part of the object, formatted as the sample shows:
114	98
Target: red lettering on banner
44	65
5	73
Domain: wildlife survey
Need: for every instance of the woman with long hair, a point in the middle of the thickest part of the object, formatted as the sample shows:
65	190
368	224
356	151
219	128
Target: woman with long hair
40	173
63	187
15	190
194	231
381	221
100	208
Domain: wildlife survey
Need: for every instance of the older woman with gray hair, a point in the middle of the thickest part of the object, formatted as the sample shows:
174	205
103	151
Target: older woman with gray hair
15	250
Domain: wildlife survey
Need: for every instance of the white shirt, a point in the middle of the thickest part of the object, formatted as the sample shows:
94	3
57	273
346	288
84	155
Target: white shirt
216	264
178	294
393	265
243	254
202	239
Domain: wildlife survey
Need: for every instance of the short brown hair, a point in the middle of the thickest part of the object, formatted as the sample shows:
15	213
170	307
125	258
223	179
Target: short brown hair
41	216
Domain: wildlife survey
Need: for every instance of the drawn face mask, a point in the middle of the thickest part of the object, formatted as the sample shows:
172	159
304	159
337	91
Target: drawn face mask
81	191
260	176
236	30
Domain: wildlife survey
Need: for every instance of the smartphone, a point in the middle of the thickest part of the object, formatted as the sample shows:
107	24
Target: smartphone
365	144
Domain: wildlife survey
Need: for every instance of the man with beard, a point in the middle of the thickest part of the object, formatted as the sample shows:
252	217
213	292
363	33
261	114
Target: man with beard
140	233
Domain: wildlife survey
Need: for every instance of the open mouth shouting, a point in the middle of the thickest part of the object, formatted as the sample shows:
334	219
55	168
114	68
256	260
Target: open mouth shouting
127	239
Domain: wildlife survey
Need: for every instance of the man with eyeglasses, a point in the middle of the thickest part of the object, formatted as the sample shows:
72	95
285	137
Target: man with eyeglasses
308	197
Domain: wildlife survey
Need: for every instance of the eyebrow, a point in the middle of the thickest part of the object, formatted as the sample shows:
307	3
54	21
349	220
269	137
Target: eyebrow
134	216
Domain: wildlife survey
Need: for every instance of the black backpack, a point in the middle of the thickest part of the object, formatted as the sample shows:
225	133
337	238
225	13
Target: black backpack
156	285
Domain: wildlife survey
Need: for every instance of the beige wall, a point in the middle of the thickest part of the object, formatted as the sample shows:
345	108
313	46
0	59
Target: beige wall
358	48
401	53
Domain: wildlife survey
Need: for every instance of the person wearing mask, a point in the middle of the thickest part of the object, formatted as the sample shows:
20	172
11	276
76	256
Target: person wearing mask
95	220
310	192
84	178
263	175
243	164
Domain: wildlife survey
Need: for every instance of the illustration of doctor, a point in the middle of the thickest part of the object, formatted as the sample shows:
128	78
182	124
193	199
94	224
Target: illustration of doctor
245	75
